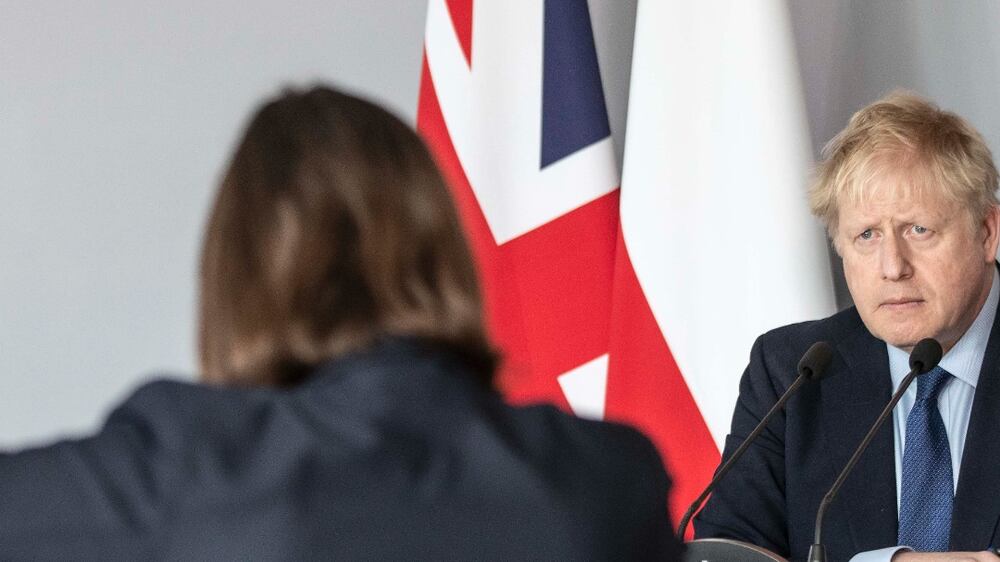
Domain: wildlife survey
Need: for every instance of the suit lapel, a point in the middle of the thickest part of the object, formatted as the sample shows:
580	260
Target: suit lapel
975	512
851	401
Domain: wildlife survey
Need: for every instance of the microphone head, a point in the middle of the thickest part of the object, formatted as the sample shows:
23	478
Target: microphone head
925	355
816	359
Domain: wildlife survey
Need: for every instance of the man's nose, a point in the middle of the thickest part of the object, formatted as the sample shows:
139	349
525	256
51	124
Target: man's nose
894	258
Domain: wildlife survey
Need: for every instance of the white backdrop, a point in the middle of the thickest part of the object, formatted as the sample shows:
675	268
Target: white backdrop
116	118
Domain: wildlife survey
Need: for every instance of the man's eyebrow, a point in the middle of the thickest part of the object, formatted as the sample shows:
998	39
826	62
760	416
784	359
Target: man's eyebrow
855	224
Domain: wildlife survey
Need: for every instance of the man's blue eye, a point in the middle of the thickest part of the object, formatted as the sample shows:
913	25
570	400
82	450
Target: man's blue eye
919	229
866	235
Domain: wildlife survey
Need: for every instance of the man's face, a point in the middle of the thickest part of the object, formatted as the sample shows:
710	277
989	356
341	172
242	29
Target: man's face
916	265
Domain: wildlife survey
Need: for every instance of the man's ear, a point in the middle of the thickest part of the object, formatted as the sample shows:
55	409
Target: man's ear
991	231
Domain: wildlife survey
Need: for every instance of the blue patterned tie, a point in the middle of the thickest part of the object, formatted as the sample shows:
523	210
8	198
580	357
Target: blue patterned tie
927	487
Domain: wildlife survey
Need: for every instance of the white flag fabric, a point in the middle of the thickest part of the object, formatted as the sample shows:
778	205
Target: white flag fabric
714	212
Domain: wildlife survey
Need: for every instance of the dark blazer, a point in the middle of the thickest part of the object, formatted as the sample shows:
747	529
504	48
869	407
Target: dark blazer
391	454
771	496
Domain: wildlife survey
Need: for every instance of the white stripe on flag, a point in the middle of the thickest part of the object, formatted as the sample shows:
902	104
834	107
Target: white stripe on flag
713	204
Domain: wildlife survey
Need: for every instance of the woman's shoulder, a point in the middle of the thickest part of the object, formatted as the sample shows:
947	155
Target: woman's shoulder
170	397
169	393
171	408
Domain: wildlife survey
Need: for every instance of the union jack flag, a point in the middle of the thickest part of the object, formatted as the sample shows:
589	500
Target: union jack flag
512	106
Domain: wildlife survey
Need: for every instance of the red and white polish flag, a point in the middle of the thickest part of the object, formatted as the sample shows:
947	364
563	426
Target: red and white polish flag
643	313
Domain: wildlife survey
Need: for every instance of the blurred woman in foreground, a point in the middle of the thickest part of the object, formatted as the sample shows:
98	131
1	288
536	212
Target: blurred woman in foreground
350	412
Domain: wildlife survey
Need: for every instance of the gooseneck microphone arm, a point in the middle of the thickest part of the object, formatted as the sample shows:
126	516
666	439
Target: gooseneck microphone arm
811	367
737	454
925	356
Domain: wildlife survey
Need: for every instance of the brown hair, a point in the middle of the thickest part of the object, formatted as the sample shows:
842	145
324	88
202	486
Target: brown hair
332	228
903	132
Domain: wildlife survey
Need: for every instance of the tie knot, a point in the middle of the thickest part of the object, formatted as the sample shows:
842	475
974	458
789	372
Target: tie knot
929	385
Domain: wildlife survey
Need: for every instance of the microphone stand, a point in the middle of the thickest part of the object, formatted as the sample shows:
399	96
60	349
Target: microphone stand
738	453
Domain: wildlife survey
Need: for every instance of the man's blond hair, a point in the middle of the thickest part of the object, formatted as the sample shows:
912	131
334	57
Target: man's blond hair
904	133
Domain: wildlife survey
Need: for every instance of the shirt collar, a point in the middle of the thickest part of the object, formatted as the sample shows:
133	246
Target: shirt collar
965	359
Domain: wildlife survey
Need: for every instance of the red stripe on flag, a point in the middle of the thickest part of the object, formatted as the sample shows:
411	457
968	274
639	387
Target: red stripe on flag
547	292
646	389
461	20
562	273
502	312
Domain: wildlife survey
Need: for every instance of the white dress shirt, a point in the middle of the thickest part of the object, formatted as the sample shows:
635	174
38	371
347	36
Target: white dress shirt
963	361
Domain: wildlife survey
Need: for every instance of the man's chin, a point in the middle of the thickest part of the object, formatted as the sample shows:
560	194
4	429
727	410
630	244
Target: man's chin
900	329
906	345
901	339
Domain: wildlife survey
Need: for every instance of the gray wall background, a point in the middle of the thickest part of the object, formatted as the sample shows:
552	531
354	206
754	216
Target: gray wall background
116	118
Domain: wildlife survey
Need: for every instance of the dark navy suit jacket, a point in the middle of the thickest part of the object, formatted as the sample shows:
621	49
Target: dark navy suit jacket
771	496
391	454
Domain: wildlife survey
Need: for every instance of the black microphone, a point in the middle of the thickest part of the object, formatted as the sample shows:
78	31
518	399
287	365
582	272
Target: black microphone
924	357
811	367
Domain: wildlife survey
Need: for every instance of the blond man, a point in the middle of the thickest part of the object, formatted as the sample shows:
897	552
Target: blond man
908	195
